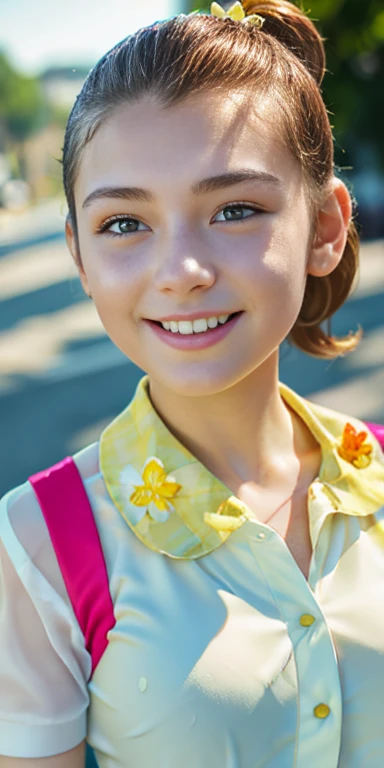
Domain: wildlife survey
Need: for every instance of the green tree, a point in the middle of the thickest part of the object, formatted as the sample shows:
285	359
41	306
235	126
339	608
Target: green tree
22	108
353	85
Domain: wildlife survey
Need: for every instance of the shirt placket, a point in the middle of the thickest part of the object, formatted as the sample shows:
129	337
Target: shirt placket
319	689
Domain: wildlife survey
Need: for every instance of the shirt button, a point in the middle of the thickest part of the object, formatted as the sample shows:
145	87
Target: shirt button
261	535
306	619
322	710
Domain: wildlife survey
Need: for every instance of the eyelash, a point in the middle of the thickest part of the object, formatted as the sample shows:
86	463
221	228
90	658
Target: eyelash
103	228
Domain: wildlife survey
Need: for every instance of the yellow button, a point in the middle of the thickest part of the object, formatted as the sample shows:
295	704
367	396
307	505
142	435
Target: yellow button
322	710
306	619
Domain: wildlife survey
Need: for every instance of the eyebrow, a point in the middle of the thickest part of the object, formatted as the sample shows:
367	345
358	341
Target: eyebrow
211	184
234	177
120	193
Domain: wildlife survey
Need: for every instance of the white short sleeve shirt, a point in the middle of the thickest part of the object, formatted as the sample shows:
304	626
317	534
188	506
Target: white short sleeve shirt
223	655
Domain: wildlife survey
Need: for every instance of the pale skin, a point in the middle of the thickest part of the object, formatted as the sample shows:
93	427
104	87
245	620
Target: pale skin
223	403
184	256
75	758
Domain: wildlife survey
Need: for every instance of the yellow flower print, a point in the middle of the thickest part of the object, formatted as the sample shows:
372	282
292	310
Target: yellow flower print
149	491
231	514
353	447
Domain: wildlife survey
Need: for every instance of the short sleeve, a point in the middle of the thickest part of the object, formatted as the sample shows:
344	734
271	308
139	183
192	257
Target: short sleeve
44	665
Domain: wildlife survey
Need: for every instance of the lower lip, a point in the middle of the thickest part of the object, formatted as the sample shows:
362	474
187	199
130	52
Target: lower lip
194	340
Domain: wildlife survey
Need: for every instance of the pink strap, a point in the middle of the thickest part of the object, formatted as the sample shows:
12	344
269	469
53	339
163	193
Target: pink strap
75	538
66	509
378	431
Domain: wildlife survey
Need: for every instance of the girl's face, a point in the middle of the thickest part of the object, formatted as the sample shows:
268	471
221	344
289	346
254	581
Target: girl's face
197	210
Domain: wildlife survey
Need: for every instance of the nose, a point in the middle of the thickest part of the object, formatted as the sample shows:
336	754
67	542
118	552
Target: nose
183	265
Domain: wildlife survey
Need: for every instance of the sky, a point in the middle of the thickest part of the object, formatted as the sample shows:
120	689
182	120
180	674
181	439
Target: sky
39	33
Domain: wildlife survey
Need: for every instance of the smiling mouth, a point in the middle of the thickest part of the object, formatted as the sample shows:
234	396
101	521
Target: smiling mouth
230	317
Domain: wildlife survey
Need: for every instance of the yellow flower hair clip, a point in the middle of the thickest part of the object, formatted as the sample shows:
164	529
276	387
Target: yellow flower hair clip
353	447
237	13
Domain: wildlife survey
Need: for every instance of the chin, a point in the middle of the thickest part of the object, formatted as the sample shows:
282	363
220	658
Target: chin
198	379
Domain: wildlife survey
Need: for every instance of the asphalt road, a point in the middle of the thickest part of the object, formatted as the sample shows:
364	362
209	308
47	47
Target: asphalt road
62	379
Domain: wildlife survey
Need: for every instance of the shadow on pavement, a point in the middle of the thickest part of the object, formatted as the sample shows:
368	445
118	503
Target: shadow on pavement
20	245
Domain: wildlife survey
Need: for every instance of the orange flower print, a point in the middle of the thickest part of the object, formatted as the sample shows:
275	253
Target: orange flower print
353	447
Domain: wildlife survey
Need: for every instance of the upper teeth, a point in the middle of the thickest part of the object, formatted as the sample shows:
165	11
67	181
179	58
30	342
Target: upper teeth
196	326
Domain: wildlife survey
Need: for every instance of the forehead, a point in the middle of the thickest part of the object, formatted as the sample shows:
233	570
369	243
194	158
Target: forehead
203	135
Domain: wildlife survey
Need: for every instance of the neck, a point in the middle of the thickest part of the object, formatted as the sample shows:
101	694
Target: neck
243	435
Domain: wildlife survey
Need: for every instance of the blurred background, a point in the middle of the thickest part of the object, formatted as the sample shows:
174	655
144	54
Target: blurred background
61	378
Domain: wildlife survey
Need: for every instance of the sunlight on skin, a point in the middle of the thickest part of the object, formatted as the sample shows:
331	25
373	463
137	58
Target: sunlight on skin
184	258
182	262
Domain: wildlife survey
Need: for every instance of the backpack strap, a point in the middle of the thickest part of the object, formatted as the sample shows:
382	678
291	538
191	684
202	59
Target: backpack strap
66	508
75	538
378	431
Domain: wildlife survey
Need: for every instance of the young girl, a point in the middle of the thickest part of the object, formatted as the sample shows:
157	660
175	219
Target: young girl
203	587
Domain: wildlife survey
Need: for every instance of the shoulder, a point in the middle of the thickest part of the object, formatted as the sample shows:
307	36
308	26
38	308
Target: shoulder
22	497
23	530
41	643
335	422
35	604
87	461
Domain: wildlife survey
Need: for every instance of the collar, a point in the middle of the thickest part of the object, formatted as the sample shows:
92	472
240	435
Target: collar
174	504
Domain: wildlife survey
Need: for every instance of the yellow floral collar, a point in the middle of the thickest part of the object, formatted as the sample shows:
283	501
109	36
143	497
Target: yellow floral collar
176	506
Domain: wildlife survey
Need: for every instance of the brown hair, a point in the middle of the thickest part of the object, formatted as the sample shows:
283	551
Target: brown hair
185	55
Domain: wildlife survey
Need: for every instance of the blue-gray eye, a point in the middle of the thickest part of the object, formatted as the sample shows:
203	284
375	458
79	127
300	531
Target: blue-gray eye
125	226
236	212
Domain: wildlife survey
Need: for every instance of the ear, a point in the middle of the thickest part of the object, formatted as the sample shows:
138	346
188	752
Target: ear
331	231
73	246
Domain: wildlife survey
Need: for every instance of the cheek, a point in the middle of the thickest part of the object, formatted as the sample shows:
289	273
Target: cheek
287	275
277	280
114	278
272	263
285	261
